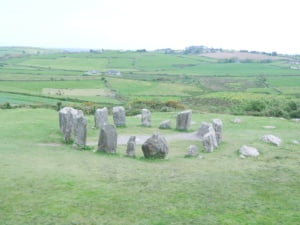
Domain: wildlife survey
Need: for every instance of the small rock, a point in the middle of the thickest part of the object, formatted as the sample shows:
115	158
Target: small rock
200	157
269	127
236	120
192	151
248	151
295	142
165	124
296	120
269	138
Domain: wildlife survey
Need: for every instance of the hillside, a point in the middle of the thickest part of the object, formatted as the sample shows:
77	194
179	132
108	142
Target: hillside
127	77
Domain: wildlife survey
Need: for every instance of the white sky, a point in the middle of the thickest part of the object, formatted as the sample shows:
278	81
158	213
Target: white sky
262	25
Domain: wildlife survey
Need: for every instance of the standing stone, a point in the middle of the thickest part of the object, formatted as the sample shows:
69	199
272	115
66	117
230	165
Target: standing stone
62	114
204	129
218	127
108	139
184	120
101	117
165	124
119	116
209	142
146	118
80	130
192	151
67	121
155	147
130	151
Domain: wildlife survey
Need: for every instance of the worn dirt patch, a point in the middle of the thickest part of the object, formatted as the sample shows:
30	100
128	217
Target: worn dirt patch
240	56
49	144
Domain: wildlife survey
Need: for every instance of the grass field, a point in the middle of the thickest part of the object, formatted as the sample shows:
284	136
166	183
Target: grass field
44	181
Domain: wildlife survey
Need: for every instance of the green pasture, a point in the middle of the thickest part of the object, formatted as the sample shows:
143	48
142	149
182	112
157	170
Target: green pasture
44	181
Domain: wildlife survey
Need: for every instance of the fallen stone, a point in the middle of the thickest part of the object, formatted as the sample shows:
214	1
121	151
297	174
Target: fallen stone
295	142
80	130
192	151
248	151
155	147
108	139
296	120
236	120
165	124
218	127
184	119
146	118
269	127
119	116
101	117
269	138
130	151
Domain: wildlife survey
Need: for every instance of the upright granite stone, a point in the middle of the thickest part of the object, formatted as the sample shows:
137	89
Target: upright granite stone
62	114
184	120
130	151
155	147
218	127
80	130
165	124
204	129
209	142
146	117
101	117
108	139
119	116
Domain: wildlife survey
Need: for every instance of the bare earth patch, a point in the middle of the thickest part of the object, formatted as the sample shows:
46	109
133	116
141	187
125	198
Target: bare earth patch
49	144
78	92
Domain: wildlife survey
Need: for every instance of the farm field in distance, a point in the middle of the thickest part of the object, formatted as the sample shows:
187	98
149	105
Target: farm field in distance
213	82
47	181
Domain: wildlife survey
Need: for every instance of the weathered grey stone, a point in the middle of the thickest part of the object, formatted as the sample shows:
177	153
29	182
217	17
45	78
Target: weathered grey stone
184	119
295	142
269	138
269	127
146	117
155	147
108	139
130	151
204	129
101	117
236	120
218	127
80	130
119	116
192	151
62	113
248	151
165	124
209	142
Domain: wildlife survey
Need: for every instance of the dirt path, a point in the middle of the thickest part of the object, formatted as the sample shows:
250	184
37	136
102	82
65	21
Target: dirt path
140	139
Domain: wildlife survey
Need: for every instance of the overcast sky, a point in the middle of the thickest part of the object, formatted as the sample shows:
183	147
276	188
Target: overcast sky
262	25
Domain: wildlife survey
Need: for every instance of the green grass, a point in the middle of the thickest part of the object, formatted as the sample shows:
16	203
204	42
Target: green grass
56	184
